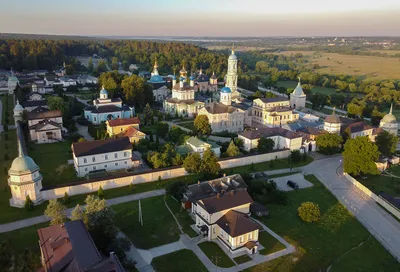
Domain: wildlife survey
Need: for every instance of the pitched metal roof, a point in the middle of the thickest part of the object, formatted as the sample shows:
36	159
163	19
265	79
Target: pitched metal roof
101	146
269	132
123	122
236	223
225	200
44	114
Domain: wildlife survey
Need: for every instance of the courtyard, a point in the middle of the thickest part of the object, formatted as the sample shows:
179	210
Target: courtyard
281	182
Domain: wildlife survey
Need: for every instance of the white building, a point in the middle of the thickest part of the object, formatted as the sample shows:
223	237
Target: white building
203	83
273	112
46	126
222	208
232	74
282	138
298	97
12	83
39	87
160	91
110	154
362	129
195	145
389	122
67	82
332	123
86	79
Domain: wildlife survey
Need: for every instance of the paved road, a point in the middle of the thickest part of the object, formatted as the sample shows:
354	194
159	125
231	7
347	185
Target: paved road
113	201
83	130
379	223
83	101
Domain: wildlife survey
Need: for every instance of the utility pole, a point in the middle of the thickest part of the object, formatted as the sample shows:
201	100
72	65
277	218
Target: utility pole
140	214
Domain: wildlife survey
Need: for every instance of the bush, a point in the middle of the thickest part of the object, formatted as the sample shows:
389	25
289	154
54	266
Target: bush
100	192
175	189
309	212
295	156
6	157
28	203
66	199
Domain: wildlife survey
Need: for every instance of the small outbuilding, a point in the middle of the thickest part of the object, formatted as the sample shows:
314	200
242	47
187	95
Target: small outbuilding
259	209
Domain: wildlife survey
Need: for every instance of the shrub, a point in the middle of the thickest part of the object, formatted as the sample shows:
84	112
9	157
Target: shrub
100	192
175	189
66	199
309	212
6	157
28	203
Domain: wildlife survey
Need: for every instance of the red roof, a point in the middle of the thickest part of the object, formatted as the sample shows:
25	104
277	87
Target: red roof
124	122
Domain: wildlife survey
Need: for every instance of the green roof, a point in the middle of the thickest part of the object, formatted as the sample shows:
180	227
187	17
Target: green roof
184	149
213	144
195	141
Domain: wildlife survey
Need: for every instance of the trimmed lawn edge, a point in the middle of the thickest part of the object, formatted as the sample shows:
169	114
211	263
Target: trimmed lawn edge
216	255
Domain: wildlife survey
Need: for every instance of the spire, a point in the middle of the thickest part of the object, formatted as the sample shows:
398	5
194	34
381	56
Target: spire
391	108
17	101
155	64
299	81
20	152
102	87
201	70
333	111
233	49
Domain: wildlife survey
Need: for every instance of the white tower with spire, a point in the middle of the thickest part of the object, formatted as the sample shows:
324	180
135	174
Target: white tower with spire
232	74
298	97
12	82
389	122
155	68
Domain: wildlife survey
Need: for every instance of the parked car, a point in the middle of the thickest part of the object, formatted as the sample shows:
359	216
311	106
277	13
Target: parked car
292	184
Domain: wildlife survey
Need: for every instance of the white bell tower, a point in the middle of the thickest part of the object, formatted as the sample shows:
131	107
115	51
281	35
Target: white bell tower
232	74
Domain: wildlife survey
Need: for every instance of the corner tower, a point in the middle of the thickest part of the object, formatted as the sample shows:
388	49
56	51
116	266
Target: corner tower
298	97
232	75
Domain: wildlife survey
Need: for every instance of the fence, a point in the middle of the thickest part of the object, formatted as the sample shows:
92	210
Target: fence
383	202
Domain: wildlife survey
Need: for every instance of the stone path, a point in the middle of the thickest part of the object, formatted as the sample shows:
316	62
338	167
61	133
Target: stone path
113	201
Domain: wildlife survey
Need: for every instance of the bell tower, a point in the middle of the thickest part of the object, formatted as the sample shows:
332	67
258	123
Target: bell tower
232	76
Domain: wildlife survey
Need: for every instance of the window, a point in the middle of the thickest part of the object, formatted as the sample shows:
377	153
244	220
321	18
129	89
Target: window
125	154
105	165
94	167
214	230
116	155
241	239
86	169
93	159
95	119
106	157
85	160
126	162
116	164
121	129
249	237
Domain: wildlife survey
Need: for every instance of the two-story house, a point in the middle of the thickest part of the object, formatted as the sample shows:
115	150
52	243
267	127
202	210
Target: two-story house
282	138
195	145
45	126
128	127
361	129
110	154
273	112
221	208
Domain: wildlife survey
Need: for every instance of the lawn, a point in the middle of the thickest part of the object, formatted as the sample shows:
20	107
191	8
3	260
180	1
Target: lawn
216	254
320	244
179	261
242	259
182	215
381	183
53	162
187	124
159	227
269	243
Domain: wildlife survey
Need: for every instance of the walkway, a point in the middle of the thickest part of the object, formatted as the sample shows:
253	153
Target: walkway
378	222
113	201
83	130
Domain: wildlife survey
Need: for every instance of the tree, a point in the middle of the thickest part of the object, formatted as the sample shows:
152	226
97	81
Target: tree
265	145
114	63
56	103
148	114
137	91
162	129
56	211
90	65
210	167
318	100
175	189
66	199
100	192
232	150
5	254
77	213
202	125
28	203
329	143
359	156
295	156
386	142
309	212
192	163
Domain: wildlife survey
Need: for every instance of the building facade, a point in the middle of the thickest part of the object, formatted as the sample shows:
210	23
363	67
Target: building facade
105	108
160	90
333	123
110	154
389	123
273	112
298	97
45	127
195	145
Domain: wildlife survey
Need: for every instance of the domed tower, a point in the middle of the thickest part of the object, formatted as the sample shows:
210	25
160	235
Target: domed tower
192	78
173	80
298	97
232	76
213	79
12	82
24	179
332	123
155	68
183	72
18	111
103	93
389	122
226	96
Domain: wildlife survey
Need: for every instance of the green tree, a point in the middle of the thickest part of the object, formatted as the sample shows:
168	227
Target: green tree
56	211
114	63
66	199
148	114
137	91
386	142
100	192
90	65
56	103
192	163
265	145
210	167
318	100
5	254
309	212
202	125
329	143
359	156
232	150
28	203
162	129
77	213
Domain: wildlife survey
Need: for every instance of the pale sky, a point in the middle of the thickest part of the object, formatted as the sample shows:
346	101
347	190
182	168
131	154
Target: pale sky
202	17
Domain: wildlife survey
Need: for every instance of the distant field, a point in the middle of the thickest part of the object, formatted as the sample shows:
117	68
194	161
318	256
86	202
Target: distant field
327	91
362	66
238	48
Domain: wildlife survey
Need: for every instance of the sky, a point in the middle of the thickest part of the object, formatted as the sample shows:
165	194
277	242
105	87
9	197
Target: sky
231	18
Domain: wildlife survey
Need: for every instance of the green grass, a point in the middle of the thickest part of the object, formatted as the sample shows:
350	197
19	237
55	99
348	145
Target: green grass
182	215
316	89
319	244
216	254
381	183
283	174
53	162
180	261
188	125
159	227
269	243
242	259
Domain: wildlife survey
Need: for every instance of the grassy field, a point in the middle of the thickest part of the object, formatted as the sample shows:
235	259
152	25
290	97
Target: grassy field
327	242
316	89
269	243
187	124
180	261
159	227
242	259
381	183
216	255
53	162
182	215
